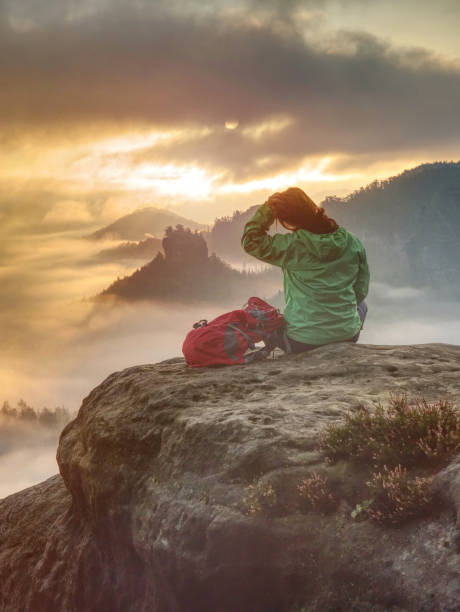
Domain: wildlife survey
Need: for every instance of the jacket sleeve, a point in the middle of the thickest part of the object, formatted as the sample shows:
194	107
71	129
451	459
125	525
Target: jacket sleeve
361	285
257	242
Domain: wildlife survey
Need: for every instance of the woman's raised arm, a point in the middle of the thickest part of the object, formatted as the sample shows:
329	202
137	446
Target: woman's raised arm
256	241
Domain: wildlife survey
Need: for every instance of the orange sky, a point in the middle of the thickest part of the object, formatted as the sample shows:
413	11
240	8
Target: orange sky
74	169
210	106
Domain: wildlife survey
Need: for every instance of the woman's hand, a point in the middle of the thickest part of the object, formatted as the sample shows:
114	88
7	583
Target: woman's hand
276	203
273	201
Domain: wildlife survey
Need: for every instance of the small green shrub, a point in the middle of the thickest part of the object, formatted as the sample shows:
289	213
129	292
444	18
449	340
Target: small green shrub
360	511
417	434
260	499
397	497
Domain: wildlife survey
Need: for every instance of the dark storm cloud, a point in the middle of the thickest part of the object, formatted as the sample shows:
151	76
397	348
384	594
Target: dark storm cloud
367	99
199	64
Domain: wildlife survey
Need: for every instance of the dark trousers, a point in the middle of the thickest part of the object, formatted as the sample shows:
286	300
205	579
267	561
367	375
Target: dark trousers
279	338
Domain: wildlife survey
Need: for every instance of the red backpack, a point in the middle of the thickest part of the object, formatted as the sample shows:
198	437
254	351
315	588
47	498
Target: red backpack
225	340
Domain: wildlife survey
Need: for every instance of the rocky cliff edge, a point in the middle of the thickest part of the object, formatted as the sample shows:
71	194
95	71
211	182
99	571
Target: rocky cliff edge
150	510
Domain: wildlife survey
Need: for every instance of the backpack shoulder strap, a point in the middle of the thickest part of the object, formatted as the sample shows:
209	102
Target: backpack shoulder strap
244	334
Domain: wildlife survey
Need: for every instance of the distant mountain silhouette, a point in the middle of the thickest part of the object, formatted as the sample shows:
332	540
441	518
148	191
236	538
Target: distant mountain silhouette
186	273
142	223
410	226
143	249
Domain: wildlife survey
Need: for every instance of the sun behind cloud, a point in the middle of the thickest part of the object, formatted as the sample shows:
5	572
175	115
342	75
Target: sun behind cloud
305	173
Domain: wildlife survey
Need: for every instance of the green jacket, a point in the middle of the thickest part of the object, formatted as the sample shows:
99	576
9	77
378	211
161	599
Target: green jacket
325	277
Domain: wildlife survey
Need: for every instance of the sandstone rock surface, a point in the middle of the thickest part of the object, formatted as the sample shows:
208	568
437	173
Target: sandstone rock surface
148	512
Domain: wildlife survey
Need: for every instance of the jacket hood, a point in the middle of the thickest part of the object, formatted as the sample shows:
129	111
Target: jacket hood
325	247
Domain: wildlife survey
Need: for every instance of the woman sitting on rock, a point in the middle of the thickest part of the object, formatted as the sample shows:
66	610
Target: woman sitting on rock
326	276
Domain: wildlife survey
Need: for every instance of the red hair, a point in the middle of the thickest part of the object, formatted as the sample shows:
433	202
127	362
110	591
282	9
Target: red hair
295	210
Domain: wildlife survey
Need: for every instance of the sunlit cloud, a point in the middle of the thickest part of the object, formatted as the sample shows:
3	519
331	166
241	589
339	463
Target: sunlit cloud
307	173
163	179
232	124
107	163
139	139
267	128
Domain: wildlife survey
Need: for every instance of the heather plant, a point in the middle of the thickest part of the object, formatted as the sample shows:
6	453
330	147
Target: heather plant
260	499
397	497
416	434
314	494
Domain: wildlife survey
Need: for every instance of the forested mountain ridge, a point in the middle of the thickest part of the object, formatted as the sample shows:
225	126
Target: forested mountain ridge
409	224
187	273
